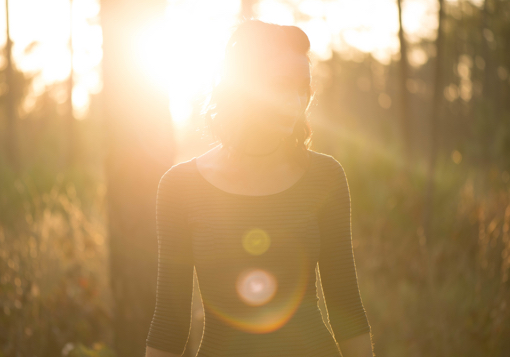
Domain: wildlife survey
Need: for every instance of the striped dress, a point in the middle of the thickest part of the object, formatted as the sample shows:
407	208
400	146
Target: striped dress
256	259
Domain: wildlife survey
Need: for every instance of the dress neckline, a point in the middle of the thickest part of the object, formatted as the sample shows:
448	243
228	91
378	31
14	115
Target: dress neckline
277	194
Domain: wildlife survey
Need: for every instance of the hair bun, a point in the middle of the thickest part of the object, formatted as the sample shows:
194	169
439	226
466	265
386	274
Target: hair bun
256	35
297	38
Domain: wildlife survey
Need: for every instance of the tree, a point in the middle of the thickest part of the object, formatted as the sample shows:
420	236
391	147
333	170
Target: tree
70	120
10	104
434	120
139	149
405	113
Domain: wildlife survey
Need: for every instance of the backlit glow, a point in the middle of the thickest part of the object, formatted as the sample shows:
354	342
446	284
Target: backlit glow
182	54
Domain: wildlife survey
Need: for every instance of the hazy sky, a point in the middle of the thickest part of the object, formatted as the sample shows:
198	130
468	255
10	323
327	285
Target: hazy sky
368	25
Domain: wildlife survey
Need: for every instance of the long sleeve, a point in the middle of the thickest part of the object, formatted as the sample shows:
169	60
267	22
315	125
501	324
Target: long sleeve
171	322
337	268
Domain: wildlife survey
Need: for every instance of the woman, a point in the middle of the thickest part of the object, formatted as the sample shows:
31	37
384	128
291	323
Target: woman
255	216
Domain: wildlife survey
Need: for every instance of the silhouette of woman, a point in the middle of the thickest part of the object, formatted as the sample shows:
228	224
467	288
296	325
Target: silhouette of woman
256	216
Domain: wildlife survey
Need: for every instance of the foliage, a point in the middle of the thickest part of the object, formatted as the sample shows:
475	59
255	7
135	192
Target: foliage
97	350
54	263
446	294
54	279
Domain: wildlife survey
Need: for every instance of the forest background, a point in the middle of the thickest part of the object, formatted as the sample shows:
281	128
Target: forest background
421	127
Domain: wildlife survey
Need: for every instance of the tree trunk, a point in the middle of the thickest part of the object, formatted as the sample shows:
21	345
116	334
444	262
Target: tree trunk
70	121
11	135
491	91
405	114
247	9
434	120
139	149
428	210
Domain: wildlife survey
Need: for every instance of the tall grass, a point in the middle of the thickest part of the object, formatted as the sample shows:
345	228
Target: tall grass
54	277
443	295
447	294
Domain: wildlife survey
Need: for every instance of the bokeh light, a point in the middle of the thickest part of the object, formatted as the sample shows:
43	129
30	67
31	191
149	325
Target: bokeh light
42	49
256	287
256	241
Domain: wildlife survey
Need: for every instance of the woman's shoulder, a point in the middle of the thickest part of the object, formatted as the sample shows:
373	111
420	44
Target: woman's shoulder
178	174
325	165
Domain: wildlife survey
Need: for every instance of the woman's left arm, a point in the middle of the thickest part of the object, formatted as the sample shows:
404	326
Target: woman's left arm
337	270
359	346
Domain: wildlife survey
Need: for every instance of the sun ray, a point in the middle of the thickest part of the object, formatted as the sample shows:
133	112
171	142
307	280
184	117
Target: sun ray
182	52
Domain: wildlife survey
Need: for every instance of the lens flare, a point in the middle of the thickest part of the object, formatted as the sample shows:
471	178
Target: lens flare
256	287
256	241
266	300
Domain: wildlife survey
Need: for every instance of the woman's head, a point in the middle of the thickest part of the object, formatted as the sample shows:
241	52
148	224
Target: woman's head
264	87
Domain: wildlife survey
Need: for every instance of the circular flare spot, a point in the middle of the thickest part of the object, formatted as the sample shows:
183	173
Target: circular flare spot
256	241
256	287
278	310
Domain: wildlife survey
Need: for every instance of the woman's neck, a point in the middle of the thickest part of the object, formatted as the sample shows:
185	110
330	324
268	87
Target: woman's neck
266	155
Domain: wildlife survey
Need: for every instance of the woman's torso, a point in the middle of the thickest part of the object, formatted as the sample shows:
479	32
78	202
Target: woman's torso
255	258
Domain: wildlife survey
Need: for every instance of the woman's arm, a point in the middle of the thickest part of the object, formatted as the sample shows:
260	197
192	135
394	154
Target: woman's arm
337	270
358	346
153	352
171	322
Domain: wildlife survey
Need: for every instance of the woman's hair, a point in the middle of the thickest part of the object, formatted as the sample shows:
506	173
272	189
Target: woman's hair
250	48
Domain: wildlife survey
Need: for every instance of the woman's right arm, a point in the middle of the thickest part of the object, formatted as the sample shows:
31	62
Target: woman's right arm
154	352
171	322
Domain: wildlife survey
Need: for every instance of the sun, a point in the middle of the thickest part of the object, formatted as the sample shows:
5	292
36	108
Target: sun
181	51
